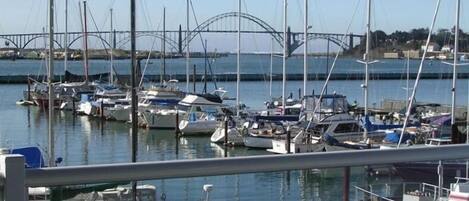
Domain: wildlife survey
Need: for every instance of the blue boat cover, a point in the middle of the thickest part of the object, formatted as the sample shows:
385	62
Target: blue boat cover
393	137
369	126
277	118
442	121
32	156
168	102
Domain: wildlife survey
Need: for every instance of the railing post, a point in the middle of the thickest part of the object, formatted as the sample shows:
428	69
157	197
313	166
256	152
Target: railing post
12	172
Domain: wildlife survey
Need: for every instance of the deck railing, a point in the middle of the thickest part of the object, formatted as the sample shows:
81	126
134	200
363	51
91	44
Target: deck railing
15	178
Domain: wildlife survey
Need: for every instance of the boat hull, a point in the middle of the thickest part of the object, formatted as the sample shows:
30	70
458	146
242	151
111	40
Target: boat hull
280	147
117	113
234	137
260	142
159	120
199	127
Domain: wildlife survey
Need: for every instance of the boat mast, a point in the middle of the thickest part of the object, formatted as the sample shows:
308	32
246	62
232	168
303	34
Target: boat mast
238	55
417	80
111	75
455	63
66	41
408	75
133	69
85	41
305	62
366	58
187	46
285	54
164	44
271	65
51	87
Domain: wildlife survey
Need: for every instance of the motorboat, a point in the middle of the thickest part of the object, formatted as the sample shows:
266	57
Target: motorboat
264	129
105	96
70	93
329	127
234	136
204	112
159	106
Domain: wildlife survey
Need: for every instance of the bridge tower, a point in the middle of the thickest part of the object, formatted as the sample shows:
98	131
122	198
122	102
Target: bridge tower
350	46
114	40
180	40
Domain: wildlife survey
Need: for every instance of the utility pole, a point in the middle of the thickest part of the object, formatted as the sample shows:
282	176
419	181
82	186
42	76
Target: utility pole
285	55
50	80
111	74
238	78
66	41
305	58
133	68
187	46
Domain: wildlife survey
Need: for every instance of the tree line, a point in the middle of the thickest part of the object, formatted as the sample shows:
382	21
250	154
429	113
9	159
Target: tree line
413	40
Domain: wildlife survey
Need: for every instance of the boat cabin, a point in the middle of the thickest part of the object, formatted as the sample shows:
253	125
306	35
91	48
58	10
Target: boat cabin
324	106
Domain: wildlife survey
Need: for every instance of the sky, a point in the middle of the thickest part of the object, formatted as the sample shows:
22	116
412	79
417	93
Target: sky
334	16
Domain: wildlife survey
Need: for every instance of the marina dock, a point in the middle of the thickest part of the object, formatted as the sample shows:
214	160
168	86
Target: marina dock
231	77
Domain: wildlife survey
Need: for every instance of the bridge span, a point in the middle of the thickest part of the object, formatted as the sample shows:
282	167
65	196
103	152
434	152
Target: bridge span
176	39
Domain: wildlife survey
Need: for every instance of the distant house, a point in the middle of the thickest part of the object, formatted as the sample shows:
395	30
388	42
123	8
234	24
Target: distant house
432	47
447	48
413	54
392	55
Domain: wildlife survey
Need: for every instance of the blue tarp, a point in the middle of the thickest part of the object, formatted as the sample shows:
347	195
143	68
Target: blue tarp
164	102
393	137
277	118
369	126
32	155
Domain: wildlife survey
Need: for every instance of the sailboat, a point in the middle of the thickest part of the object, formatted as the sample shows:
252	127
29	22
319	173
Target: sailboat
433	170
158	106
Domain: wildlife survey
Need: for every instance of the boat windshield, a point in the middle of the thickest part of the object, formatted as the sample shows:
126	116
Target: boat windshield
327	104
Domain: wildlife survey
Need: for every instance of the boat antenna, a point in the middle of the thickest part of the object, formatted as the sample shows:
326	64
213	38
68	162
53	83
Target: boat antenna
414	90
238	57
66	42
285	55
188	35
324	87
111	74
305	56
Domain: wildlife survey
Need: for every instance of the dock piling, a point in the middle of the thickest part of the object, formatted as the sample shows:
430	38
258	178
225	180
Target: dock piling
29	89
288	140
176	126
225	142
346	184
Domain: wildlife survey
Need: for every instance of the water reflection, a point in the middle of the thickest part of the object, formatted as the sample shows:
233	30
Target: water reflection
82	140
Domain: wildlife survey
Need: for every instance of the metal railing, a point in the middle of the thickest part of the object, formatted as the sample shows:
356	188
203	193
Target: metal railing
369	194
15	178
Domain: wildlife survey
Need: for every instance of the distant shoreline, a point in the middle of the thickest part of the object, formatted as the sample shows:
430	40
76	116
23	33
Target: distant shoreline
230	77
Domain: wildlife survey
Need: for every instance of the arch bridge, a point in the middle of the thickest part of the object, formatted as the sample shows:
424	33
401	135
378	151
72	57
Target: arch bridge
176	39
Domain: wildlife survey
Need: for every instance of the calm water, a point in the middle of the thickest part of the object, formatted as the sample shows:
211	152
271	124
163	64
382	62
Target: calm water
84	140
253	64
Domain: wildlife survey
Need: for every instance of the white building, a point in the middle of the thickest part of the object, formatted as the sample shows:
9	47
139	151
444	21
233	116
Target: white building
432	47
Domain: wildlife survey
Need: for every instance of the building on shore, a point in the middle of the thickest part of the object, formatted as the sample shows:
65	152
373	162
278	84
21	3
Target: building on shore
413	54
392	55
